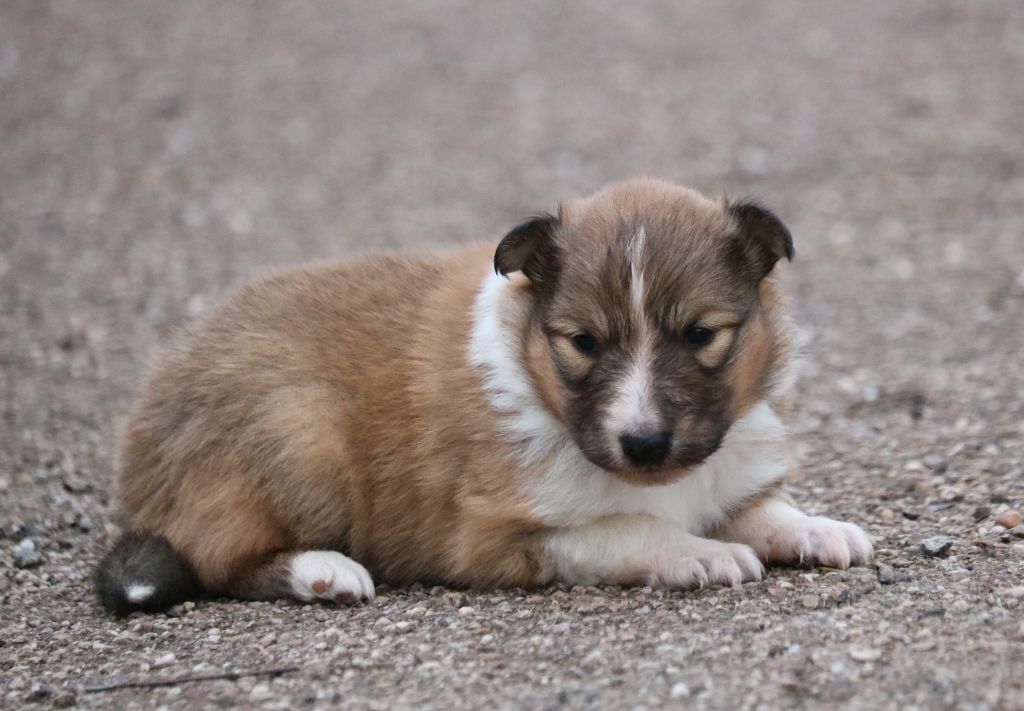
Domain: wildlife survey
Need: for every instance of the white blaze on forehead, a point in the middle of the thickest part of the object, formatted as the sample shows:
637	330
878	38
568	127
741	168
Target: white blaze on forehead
632	408
635	251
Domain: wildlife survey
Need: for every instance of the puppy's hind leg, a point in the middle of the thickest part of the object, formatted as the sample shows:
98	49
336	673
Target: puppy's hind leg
326	576
231	536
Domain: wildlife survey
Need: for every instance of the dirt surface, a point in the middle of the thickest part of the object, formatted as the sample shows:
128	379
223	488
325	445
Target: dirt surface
154	154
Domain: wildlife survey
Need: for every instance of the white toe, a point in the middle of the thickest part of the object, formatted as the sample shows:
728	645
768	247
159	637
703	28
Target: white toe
835	544
329	575
713	563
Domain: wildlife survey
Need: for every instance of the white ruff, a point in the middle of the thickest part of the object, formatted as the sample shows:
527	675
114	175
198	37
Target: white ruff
495	347
573	492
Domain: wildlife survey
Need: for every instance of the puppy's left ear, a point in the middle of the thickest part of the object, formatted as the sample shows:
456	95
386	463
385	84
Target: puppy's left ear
530	248
761	238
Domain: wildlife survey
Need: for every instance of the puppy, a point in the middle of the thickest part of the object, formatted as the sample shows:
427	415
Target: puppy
596	399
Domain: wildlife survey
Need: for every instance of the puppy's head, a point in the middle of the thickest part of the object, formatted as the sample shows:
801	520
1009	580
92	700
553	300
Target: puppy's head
652	326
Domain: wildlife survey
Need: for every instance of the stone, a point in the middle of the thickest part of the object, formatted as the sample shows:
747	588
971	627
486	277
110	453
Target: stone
84	523
679	690
936	546
809	601
64	700
865	654
260	692
1009	519
75	484
38	693
164	660
24	559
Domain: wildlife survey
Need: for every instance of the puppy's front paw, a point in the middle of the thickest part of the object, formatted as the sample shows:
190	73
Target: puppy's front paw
835	544
329	576
711	563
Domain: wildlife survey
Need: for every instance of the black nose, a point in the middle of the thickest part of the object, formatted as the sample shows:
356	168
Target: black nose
646	449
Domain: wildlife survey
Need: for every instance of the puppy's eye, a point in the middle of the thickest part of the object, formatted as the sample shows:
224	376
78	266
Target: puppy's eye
585	343
698	336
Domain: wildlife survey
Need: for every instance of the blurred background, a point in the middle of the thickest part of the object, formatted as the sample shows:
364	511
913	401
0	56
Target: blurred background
154	154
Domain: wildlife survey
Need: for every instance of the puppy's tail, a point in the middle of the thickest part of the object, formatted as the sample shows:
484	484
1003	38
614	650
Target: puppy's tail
142	572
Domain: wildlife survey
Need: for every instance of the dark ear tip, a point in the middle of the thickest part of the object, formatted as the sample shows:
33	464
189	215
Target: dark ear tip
518	250
788	244
498	260
757	219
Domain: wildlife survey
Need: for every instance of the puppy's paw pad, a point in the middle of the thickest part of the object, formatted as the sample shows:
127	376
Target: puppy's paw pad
835	544
329	576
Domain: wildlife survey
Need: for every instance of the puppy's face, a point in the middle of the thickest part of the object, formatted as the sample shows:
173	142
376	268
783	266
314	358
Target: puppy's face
649	335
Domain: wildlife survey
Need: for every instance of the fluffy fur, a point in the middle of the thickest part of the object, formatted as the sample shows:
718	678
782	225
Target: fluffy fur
421	417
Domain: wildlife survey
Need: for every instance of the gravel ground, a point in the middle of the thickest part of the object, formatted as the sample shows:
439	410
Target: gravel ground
154	154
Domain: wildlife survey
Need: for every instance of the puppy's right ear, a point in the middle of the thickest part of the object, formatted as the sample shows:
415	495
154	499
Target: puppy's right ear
529	248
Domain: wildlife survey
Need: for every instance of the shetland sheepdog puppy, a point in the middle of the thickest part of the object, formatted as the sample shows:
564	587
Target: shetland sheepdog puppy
594	399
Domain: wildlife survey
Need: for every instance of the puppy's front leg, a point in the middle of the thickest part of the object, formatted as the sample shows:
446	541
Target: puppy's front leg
781	533
645	550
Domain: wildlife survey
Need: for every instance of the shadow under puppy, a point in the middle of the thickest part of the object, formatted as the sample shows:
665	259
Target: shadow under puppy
595	400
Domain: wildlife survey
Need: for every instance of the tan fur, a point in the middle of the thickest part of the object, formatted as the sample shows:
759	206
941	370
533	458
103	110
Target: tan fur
331	407
334	407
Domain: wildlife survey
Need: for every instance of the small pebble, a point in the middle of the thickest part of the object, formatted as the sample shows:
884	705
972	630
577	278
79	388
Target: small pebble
164	660
936	546
467	611
64	700
886	574
76	484
679	691
38	693
865	654
25	559
84	523
809	601
260	692
982	512
1009	519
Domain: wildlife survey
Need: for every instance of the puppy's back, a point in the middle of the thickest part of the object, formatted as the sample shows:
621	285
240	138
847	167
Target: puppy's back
280	379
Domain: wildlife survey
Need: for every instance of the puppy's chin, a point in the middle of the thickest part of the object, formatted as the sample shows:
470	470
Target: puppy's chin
644	476
680	465
653	477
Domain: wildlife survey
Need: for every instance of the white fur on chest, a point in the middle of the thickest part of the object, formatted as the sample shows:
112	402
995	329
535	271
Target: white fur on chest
564	487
